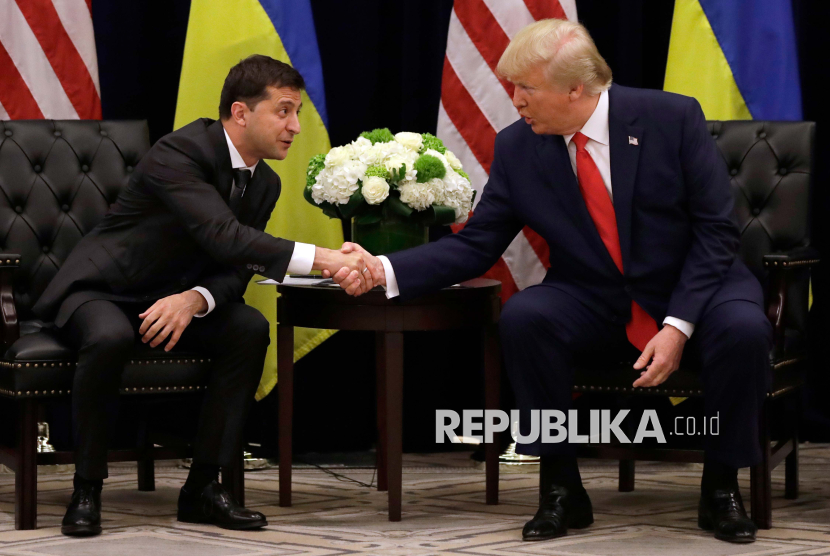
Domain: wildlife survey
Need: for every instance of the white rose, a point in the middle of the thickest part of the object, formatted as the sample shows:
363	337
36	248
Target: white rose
409	140
455	164
375	190
338	156
419	196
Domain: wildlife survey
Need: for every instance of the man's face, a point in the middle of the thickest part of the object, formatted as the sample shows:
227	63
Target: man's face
548	108
273	123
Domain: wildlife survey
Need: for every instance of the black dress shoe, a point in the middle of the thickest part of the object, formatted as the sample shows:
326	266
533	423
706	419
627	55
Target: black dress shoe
723	511
83	515
215	505
559	510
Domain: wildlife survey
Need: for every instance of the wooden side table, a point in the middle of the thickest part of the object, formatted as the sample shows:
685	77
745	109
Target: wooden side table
473	304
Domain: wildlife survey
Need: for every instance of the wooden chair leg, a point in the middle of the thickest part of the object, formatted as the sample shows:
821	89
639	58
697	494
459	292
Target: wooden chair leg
761	478
146	464
25	474
492	383
791	465
626	475
285	391
380	381
233	478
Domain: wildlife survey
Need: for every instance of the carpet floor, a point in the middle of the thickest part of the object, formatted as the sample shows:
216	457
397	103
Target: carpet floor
443	513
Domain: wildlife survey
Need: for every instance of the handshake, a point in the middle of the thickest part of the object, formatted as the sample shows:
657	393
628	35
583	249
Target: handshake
356	270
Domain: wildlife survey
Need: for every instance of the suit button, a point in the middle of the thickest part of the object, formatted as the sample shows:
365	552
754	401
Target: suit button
249	266
183	281
65	208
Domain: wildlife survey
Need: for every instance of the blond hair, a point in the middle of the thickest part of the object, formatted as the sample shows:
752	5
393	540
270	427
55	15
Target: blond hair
565	49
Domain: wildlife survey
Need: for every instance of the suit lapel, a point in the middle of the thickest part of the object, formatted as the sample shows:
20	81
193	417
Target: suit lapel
553	154
625	158
224	172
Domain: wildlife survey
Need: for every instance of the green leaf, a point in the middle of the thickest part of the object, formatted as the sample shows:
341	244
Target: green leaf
351	208
398	207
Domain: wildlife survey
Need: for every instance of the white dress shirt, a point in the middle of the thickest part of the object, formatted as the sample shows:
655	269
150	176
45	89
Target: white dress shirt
598	146
302	259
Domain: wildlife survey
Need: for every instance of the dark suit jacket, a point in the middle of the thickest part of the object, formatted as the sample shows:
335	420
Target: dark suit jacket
673	204
171	229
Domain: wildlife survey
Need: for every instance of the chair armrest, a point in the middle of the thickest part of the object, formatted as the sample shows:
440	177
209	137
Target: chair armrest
796	258
9	328
780	266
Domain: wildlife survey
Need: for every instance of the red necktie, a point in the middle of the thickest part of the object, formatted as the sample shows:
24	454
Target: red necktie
641	328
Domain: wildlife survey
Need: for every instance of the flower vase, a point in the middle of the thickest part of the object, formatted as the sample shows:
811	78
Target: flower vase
391	233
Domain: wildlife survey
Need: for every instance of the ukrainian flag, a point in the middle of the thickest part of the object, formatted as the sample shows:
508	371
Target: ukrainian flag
220	34
736	57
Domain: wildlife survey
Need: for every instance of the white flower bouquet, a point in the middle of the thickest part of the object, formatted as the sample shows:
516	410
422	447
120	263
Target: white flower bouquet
379	176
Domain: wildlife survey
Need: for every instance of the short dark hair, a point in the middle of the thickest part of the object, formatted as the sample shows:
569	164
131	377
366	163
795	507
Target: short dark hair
249	79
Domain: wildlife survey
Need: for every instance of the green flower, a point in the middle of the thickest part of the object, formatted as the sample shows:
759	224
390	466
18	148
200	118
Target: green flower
432	142
317	163
379	135
377	170
429	167
463	174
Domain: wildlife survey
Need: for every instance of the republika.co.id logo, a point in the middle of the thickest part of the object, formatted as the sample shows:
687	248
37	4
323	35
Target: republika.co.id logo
553	426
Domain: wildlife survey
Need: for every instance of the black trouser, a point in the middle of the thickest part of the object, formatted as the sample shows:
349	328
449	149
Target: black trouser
546	333
234	335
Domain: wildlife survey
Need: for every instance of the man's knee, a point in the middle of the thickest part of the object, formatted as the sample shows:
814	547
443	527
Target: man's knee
249	325
521	314
111	340
744	326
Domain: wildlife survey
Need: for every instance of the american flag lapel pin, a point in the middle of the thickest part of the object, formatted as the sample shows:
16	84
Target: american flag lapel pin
632	141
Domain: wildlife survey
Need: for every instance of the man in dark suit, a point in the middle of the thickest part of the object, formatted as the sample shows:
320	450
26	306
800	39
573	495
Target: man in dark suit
182	241
629	191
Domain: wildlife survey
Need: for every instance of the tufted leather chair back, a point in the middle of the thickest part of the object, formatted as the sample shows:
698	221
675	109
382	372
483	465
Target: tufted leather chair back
770	164
57	180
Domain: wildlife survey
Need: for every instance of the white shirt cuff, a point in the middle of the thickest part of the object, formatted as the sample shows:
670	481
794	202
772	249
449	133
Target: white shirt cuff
302	260
208	297
685	327
391	281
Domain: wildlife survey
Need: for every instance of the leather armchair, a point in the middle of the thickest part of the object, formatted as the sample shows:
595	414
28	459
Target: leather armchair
771	168
57	180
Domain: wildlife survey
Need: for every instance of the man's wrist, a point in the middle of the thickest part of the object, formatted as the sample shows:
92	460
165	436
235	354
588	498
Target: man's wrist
322	258
196	302
677	332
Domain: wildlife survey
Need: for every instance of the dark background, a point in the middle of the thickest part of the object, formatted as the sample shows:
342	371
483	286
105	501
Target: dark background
382	65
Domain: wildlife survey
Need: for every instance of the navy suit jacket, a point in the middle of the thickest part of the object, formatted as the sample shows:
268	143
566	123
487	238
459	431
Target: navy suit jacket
673	205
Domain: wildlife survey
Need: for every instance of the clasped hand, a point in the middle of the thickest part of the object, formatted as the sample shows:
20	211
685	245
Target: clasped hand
169	317
357	281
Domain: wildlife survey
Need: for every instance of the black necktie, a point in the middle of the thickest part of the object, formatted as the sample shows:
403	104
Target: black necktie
240	182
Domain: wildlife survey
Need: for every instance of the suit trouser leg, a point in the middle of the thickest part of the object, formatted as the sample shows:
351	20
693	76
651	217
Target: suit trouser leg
236	337
544	332
104	336
732	342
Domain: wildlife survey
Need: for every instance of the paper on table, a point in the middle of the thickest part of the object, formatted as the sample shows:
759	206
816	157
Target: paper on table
298	281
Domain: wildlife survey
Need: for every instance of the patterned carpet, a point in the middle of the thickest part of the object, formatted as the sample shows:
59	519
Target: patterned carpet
443	513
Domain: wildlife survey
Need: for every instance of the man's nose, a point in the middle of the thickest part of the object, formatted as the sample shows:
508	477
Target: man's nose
294	125
518	98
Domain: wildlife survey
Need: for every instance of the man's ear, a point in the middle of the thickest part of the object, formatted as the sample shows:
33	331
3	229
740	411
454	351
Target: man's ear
239	113
576	92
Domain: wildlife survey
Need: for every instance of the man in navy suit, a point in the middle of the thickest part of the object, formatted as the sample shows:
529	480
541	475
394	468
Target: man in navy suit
629	191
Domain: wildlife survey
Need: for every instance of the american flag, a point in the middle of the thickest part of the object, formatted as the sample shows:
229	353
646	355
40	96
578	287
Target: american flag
48	63
476	104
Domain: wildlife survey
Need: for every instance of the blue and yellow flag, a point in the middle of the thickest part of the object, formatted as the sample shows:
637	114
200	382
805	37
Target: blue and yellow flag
736	57
219	35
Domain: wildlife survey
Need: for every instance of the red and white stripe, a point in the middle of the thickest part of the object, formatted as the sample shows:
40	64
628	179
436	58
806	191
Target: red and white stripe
476	104
48	63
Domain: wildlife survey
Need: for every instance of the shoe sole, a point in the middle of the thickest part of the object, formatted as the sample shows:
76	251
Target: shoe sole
236	527
707	525
81	531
